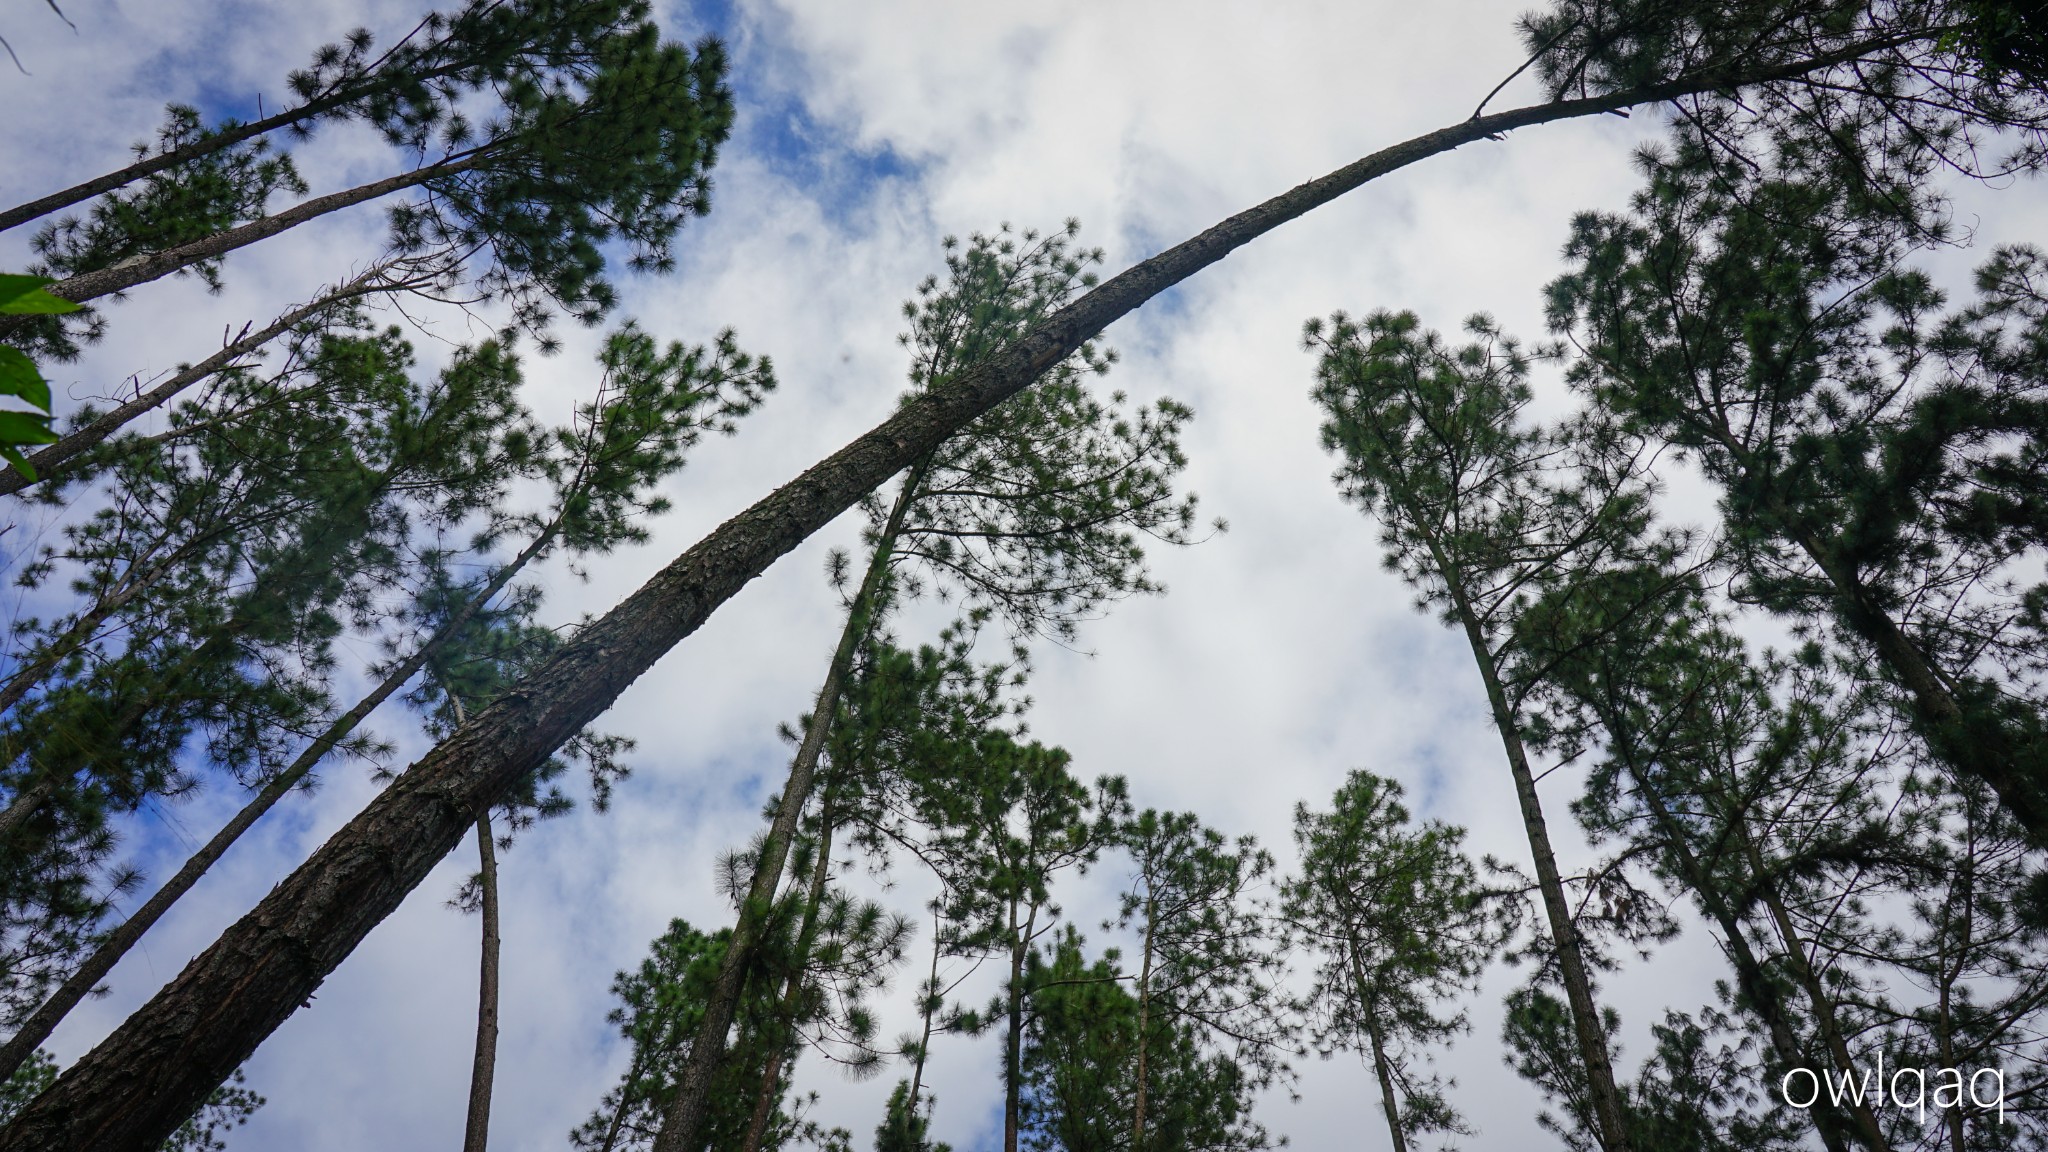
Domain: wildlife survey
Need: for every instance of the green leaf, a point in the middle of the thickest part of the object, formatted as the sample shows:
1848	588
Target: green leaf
20	294
13	456
25	428
18	377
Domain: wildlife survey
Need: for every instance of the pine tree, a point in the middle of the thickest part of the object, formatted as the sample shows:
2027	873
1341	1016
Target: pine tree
1032	513
571	689
652	405
1080	1067
1478	511
1010	819
1766	323
1399	923
1209	961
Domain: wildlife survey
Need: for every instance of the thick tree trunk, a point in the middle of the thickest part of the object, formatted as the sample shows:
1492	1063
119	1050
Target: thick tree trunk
50	460
79	985
484	1069
1564	934
133	1090
682	1124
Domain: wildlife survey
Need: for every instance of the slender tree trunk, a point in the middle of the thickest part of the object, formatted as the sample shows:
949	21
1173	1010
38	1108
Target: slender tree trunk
793	986
197	149
1817	997
1381	1069
1013	1049
931	1006
1751	981
51	459
142	269
1571	963
133	1090
1144	1024
483	1071
682	1124
79	985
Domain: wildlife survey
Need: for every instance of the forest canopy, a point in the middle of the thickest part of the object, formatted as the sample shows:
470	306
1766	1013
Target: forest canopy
1625	728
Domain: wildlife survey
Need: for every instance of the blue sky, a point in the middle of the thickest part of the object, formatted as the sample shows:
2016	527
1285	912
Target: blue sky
1281	657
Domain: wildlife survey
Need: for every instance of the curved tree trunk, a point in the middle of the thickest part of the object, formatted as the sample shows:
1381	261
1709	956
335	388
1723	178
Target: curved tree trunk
133	1090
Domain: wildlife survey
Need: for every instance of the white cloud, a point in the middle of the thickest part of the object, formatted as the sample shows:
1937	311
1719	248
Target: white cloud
1283	656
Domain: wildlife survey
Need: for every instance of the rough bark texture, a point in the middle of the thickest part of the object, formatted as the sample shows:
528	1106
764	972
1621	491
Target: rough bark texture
682	1123
38	1026
132	1091
476	1134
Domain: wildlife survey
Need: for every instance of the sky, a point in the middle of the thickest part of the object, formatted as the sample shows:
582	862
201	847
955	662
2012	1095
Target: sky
1281	657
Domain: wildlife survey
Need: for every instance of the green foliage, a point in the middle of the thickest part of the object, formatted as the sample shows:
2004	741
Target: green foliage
24	296
1761	322
36	1073
660	1006
1399	924
1037	510
1210	958
903	1127
1079	1067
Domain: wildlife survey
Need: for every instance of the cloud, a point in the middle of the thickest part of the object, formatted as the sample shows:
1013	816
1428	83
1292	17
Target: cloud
1282	657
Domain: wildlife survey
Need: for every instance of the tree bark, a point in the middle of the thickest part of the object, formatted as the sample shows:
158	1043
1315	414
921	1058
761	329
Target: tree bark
1144	1025
79	985
1013	1052
1571	963
133	1090
793	986
682	1123
476	1134
156	265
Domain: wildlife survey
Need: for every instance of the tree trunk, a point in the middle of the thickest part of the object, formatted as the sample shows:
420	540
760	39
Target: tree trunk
1571	963
1013	1052
156	265
793	987
682	1123
1817	997
79	985
133	1090
476	1135
50	460
931	1006
1380	1068
1144	1024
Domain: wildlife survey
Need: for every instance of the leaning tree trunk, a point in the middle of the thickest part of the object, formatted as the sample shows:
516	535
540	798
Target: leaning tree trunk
133	1090
1389	1101
682	1122
79	985
1752	983
793	986
484	1069
1608	1113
